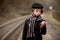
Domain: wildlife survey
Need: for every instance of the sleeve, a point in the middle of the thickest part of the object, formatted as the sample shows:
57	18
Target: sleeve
44	29
24	30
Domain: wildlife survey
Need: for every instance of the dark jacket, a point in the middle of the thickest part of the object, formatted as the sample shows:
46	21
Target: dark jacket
37	30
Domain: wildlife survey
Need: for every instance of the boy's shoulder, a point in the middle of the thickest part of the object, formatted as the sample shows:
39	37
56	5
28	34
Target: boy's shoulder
30	17
27	19
43	20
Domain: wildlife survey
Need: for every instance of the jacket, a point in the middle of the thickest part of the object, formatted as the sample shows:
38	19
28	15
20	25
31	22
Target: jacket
37	30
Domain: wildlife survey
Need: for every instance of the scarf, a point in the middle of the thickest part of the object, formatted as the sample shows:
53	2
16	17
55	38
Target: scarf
32	20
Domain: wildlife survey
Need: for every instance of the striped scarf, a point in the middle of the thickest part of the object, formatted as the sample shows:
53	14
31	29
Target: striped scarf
33	18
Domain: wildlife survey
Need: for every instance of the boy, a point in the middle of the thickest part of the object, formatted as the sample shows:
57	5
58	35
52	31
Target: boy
34	26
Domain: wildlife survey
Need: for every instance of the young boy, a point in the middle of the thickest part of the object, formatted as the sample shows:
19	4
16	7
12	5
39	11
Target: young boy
34	26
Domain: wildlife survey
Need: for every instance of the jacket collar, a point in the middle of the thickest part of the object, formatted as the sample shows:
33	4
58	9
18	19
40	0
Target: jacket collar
37	17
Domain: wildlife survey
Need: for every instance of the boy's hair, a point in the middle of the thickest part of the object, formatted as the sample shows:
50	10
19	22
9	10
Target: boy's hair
37	6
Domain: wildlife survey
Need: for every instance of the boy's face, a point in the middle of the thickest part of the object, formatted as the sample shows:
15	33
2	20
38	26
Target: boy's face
37	12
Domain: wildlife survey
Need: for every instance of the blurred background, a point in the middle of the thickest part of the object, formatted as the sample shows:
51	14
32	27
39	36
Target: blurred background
15	8
12	9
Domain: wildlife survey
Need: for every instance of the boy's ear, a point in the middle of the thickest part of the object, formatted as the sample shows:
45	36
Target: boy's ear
41	11
32	9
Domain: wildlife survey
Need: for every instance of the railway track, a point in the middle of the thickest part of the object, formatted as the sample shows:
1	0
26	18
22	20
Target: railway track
12	28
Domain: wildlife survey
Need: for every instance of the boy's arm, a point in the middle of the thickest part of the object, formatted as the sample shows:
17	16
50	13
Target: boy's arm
24	30
43	30
43	27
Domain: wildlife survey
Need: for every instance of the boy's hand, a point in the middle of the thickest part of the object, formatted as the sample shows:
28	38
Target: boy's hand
43	23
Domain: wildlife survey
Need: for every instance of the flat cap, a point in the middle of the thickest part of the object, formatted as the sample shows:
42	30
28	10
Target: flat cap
37	5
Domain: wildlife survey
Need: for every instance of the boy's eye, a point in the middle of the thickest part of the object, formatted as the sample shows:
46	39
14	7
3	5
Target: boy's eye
38	11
